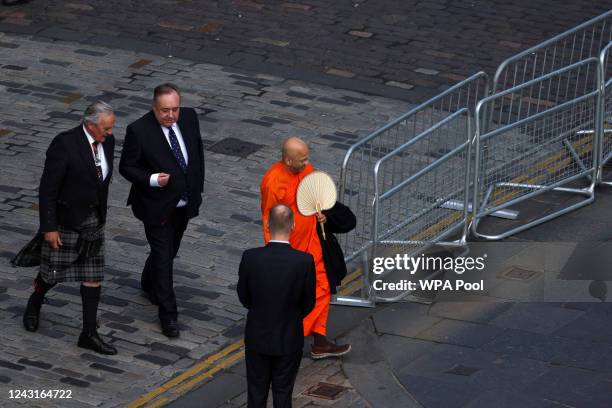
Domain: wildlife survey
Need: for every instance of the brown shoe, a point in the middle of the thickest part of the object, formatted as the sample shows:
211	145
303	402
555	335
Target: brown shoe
329	350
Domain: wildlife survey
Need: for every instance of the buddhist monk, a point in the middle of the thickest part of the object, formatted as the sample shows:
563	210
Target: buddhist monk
279	186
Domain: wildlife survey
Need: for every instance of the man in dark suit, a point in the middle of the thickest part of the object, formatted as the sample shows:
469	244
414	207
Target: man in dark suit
277	284
73	197
163	158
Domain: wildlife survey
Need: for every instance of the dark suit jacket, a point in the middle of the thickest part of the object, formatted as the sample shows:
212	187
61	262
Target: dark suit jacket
277	284
146	151
69	186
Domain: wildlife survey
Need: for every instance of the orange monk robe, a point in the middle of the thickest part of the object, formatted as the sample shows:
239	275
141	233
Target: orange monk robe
279	186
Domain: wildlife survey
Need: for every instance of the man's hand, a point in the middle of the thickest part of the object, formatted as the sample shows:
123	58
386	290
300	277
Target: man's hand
53	238
162	179
321	218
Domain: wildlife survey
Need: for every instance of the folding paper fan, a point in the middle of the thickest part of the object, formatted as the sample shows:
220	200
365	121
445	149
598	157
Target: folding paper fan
316	193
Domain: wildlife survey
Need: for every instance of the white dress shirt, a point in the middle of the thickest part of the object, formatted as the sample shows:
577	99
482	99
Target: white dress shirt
153	179
103	162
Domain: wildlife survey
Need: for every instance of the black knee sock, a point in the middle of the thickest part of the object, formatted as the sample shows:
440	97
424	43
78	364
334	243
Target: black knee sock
40	289
90	297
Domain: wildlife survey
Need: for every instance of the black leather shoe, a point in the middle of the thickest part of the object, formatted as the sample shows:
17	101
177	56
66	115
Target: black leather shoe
31	315
93	342
170	328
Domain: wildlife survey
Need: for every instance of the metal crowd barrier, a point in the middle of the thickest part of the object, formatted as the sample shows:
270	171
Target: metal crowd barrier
579	43
540	129
534	148
572	46
576	44
605	120
357	185
356	179
412	186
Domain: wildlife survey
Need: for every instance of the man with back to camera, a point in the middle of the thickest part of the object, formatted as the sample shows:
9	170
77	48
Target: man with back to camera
277	285
163	158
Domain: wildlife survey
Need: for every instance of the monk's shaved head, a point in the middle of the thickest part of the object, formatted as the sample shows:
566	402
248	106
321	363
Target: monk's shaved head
295	154
280	220
294	145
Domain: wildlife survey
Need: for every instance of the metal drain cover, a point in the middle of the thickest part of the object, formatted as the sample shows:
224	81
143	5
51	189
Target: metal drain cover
519	274
325	390
234	147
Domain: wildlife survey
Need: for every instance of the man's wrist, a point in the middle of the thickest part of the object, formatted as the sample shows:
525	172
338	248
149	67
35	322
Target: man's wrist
153	180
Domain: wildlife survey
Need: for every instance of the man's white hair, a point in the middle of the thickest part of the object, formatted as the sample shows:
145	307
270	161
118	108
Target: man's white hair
93	111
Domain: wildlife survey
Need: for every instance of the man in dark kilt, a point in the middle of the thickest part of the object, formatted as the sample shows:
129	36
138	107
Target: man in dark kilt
73	197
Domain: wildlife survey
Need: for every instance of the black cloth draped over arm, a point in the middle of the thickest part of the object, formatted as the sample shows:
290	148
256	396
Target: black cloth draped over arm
340	220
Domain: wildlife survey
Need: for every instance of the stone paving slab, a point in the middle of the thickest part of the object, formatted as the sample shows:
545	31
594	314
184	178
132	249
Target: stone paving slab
521	368
45	87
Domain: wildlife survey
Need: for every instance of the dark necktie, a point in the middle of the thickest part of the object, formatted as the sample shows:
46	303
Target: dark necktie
178	154
97	160
176	150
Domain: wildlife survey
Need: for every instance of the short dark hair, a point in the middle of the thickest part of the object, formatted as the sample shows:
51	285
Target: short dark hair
165	89
281	219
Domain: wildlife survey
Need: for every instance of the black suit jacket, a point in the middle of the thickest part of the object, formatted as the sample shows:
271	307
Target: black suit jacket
69	186
146	151
277	284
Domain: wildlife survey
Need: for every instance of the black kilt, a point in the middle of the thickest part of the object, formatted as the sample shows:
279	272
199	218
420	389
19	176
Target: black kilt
64	264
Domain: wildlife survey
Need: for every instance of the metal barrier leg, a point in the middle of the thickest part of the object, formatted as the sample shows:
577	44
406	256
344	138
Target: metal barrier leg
575	155
366	290
457	205
588	192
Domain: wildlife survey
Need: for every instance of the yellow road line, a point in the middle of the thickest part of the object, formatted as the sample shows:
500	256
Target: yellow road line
505	195
208	374
351	276
350	289
196	369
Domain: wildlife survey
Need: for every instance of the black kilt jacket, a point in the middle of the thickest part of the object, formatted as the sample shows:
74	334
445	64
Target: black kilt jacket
69	187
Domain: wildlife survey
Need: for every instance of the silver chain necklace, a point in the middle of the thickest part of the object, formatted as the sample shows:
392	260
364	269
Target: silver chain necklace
97	159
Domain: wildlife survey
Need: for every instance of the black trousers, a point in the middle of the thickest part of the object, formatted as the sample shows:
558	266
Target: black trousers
264	370
157	275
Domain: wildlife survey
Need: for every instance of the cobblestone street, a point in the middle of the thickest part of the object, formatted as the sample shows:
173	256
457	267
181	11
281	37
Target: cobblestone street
45	88
406	49
256	72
